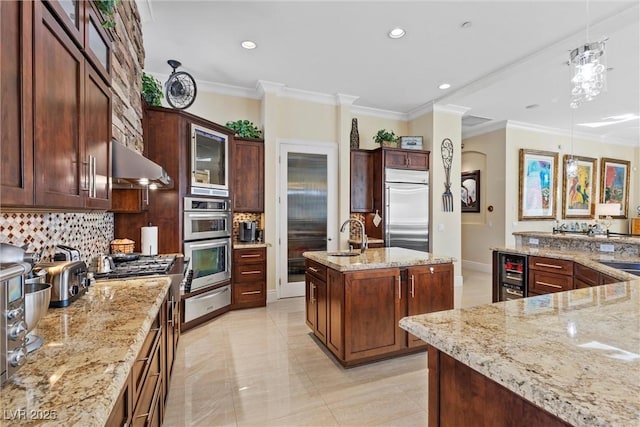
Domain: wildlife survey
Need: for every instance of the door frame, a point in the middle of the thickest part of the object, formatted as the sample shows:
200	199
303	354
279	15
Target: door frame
294	145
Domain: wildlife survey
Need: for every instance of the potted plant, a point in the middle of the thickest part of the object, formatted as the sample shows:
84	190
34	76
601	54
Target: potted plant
151	90
386	138
244	129
108	9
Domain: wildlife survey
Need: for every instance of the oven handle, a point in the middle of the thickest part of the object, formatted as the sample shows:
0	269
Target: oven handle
208	215
207	245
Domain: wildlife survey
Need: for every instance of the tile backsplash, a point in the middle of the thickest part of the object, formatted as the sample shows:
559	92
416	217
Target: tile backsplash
90	232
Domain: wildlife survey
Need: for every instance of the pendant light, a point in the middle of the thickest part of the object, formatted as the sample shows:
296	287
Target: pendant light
572	164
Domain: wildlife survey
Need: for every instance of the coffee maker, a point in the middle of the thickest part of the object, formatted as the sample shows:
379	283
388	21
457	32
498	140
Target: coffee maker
247	231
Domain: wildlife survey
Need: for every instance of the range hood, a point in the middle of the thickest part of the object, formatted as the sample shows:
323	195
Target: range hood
130	169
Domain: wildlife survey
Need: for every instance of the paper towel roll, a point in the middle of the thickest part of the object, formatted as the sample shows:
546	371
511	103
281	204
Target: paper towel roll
149	241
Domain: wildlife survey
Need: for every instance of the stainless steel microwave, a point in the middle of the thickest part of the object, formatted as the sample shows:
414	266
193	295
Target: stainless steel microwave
209	162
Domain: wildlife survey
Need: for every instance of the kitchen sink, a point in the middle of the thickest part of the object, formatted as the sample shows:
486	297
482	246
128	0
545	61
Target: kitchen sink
345	253
628	267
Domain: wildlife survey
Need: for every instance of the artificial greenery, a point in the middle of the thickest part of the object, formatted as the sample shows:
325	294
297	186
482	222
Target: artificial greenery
108	9
244	129
151	90
384	135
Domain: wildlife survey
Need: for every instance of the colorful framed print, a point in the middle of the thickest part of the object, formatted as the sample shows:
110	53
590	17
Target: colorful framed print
537	185
470	191
614	183
579	192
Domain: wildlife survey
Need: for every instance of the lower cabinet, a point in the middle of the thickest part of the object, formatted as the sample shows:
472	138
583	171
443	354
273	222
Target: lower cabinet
356	314
249	277
548	275
141	400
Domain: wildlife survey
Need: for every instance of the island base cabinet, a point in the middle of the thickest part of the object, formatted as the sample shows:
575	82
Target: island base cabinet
123	408
430	289
461	396
373	308
316	299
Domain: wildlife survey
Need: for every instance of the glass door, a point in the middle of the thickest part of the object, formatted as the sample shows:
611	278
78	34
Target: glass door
308	209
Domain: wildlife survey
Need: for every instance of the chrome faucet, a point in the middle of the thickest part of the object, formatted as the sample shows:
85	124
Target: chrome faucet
364	242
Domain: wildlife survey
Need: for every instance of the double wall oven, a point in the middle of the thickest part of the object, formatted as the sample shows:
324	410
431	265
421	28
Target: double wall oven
207	244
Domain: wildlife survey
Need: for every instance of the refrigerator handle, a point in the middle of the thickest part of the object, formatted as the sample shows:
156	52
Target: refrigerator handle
387	208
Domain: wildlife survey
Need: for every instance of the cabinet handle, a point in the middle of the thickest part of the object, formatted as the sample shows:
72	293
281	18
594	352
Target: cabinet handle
408	161
147	359
413	286
86	184
154	401
94	187
250	256
313	269
251	292
432	270
399	288
313	287
251	272
145	198
548	284
540	264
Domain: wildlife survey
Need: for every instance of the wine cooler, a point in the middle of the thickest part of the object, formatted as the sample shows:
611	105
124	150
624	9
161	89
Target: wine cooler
512	279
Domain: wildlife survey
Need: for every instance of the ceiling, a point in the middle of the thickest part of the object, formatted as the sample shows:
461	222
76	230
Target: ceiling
512	55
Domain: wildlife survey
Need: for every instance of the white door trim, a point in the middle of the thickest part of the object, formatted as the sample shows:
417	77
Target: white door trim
283	146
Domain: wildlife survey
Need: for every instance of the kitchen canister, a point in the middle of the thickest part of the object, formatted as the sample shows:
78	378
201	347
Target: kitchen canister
149	240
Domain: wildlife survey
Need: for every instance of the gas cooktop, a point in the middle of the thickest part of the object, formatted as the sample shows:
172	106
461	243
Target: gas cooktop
146	265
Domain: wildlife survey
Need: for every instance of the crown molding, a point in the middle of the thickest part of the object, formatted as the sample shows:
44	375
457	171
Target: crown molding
516	125
483	128
344	99
264	86
376	112
451	108
230	90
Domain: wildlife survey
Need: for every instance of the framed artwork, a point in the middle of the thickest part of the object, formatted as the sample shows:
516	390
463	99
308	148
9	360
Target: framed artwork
470	189
579	192
537	185
614	183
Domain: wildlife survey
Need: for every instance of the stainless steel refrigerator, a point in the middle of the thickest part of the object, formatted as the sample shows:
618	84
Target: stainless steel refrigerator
407	209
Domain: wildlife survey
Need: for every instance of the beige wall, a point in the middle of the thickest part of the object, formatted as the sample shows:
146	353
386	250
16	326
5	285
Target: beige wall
225	108
368	127
483	230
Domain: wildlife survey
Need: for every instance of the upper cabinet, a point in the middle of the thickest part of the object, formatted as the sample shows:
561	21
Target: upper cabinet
406	159
61	156
361	181
248	175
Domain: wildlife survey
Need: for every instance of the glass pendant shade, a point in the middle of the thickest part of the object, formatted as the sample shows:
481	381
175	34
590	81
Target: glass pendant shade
589	72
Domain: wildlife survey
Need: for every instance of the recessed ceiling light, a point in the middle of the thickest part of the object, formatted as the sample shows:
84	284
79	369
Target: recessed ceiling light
396	33
248	44
532	106
444	86
466	24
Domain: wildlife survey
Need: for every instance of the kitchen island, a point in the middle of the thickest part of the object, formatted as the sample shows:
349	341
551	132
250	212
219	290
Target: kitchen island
354	301
90	349
566	358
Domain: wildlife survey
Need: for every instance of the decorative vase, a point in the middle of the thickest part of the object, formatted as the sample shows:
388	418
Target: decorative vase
355	136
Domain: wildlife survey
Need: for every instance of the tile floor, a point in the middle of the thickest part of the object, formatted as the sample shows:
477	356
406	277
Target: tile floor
261	367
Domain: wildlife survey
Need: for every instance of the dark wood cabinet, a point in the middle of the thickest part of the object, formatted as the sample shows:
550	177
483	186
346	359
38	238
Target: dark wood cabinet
361	181
548	275
430	289
316	299
129	200
406	159
373	307
16	126
248	175
356	313
123	408
57	129
249	278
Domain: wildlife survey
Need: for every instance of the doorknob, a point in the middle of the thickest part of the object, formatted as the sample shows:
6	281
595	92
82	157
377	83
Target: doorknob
329	239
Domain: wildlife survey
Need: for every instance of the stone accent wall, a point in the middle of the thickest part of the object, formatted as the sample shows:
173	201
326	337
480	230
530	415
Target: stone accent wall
126	75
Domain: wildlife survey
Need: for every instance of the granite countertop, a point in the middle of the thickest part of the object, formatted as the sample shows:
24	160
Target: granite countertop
588	259
89	348
577	236
370	240
377	258
250	245
575	354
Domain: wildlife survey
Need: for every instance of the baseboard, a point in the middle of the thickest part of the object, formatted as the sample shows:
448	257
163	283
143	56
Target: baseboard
272	295
477	266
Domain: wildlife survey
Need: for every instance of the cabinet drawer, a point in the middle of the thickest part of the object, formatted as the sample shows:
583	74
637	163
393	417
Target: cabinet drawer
150	392
143	363
317	270
247	293
586	274
249	272
244	256
543	282
551	265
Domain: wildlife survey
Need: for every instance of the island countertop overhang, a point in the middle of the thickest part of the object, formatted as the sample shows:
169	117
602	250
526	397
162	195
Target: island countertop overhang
574	354
377	258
